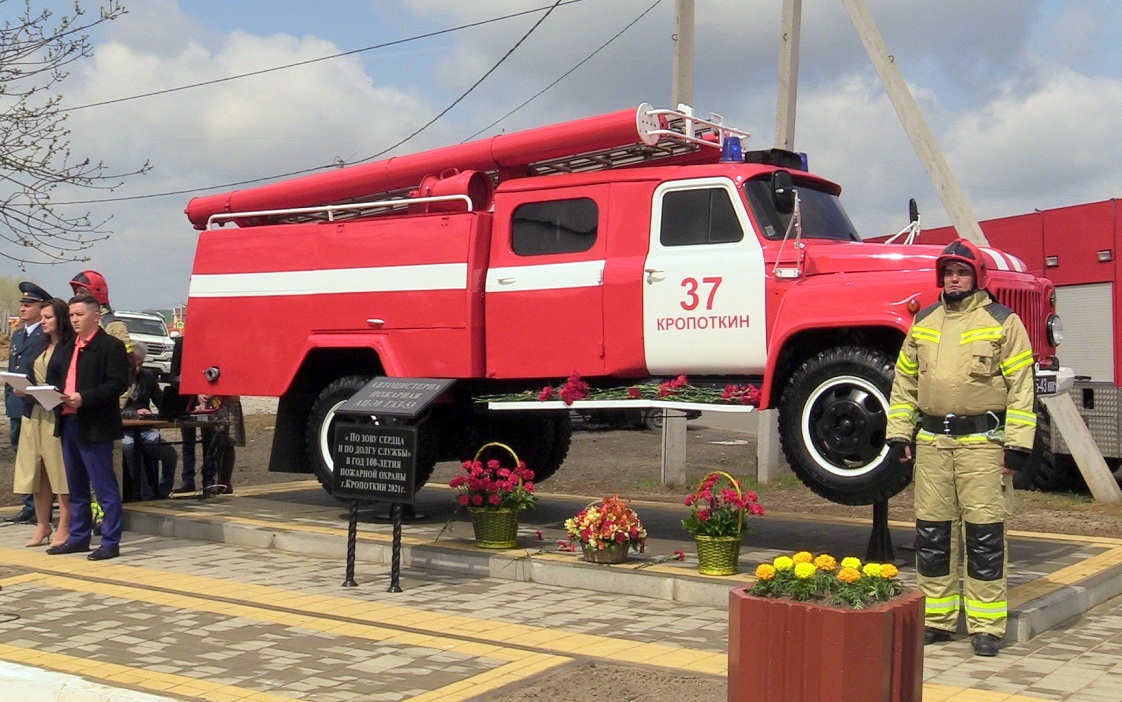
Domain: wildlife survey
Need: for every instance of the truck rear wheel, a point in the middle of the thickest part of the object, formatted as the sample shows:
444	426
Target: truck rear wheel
1055	472
832	420
321	432
541	439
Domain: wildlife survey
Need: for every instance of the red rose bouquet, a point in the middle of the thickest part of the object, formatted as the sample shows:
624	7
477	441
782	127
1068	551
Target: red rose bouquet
718	507
487	484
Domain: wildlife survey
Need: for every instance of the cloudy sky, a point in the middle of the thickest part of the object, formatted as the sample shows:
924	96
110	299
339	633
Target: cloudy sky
1024	96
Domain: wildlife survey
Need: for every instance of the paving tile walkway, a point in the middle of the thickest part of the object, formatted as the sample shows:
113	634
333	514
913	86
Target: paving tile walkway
188	619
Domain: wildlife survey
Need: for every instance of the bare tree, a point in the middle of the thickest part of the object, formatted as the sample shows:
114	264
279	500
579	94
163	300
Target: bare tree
36	50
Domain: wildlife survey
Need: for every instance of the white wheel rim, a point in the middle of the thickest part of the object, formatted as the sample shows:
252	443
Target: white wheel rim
805	426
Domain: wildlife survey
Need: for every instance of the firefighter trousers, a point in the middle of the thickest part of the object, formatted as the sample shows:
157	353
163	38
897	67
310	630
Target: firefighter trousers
961	502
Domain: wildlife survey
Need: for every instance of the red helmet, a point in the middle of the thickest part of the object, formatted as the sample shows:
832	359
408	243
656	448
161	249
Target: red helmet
94	282
966	253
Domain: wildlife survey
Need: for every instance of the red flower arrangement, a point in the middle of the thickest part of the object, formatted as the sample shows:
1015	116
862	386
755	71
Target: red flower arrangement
718	507
610	521
677	389
491	486
671	387
574	389
743	394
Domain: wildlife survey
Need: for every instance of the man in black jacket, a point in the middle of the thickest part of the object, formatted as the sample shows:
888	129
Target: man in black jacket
93	372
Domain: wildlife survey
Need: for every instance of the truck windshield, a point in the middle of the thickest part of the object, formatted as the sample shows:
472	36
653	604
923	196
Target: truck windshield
822	214
153	327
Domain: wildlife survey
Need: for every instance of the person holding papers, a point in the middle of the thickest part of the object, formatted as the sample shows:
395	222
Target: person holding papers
39	467
26	342
93	372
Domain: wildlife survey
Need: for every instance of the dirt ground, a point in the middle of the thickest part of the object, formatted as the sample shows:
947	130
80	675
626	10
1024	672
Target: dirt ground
605	461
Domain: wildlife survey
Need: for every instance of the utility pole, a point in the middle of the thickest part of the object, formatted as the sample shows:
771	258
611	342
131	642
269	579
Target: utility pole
682	89
953	198
789	30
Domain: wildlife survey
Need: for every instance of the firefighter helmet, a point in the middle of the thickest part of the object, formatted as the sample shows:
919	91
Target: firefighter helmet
966	253
93	282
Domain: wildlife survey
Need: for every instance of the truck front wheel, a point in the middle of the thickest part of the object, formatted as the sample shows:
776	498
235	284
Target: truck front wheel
321	432
832	420
540	438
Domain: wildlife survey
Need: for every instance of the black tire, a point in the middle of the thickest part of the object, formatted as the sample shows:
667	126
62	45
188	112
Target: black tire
1055	472
652	419
1025	479
562	438
541	439
832	420
321	431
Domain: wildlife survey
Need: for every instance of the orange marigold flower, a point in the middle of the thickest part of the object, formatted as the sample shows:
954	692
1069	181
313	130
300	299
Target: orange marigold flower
826	562
802	557
889	571
849	575
765	571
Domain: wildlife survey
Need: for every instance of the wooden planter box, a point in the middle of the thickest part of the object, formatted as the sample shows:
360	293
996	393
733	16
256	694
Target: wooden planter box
785	651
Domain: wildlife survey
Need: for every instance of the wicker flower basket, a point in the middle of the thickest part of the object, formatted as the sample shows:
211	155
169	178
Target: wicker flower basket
495	527
612	553
718	555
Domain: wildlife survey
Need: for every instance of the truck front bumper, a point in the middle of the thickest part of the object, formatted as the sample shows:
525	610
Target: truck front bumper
1054	382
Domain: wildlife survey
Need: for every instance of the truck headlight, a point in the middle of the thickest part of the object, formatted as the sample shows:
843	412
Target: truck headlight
1055	330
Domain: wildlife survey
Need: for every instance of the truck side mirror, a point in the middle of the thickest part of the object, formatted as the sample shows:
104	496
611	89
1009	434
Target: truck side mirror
913	210
783	192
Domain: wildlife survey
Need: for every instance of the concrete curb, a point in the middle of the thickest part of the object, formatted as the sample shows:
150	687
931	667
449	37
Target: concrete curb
523	565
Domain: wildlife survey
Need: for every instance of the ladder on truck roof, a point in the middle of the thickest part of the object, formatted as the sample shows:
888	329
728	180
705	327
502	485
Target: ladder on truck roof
657	136
683	135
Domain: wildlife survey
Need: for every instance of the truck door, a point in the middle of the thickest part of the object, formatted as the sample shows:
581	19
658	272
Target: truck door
545	285
703	285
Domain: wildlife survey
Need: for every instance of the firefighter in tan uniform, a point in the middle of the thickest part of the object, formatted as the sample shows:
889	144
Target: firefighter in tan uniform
964	378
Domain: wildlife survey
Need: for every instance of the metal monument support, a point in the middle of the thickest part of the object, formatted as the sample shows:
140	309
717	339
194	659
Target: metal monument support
352	536
395	560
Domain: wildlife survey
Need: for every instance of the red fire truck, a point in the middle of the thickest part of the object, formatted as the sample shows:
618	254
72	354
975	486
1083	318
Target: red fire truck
1077	249
627	247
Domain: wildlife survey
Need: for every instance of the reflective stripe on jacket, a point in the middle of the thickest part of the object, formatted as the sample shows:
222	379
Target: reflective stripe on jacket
966	362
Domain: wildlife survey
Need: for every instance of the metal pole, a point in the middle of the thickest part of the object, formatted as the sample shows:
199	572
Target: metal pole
682	89
395	561
790	31
952	196
352	535
880	539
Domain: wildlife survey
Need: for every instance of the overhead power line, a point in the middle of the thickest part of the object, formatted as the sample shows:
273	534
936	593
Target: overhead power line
549	9
297	64
566	74
467	92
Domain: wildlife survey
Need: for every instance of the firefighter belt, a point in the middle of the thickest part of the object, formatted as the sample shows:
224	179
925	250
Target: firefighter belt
961	501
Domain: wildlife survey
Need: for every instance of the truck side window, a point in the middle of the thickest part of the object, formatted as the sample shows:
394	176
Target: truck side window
702	216
557	226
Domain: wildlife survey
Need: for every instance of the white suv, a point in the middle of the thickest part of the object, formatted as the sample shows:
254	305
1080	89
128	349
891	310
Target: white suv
150	329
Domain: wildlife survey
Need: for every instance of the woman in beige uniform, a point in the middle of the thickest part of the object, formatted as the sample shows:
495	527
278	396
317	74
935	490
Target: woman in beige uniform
39	468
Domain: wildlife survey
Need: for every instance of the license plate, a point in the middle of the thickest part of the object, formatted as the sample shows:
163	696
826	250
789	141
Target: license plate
1045	385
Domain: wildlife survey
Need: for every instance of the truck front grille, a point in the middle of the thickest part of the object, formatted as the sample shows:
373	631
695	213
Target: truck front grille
1029	307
